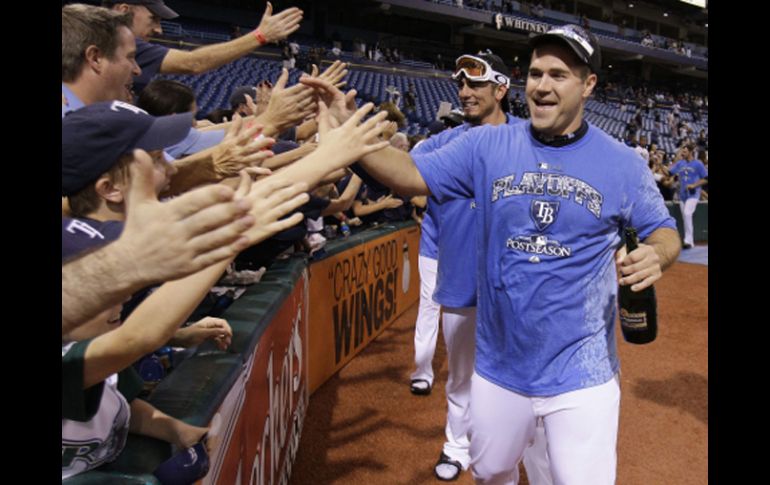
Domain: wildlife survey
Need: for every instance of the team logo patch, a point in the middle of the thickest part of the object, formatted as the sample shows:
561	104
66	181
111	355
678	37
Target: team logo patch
538	245
543	213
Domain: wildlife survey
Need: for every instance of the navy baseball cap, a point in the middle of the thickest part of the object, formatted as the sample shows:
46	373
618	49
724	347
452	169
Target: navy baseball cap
96	136
583	43
239	95
158	7
185	467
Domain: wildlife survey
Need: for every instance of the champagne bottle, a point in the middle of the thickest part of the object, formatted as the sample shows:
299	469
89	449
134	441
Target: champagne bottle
638	309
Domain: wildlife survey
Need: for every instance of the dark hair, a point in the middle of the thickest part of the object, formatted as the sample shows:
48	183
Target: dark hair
166	97
505	103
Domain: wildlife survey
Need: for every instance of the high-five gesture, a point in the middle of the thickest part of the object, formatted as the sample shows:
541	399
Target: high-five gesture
288	107
281	25
241	147
166	240
271	198
334	74
351	140
341	105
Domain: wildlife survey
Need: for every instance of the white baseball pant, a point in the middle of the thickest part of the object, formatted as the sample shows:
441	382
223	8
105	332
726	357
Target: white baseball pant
426	326
535	458
688	209
581	429
459	325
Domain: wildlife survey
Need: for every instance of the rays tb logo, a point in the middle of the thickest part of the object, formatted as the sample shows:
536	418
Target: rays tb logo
543	212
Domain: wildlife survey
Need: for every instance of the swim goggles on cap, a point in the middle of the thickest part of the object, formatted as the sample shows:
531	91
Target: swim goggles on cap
477	69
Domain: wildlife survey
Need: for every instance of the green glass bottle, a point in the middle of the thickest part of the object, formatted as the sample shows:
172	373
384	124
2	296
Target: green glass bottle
638	310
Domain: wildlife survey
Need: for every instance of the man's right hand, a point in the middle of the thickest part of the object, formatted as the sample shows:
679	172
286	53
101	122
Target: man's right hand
350	141
281	25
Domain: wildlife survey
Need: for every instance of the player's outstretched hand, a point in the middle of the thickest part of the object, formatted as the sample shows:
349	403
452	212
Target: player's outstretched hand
350	141
341	105
186	234
640	269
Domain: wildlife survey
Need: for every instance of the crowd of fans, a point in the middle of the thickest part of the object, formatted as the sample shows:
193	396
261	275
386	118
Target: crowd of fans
158	209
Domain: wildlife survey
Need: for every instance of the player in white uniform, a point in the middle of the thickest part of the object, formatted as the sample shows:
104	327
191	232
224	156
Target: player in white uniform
692	176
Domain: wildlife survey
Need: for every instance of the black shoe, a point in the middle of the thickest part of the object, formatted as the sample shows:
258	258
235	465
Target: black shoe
444	463
420	387
686	246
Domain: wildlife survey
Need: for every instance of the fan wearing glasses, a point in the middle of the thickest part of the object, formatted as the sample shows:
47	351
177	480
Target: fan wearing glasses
449	280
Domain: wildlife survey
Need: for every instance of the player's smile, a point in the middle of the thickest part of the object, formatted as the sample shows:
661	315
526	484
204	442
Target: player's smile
543	107
556	90
477	99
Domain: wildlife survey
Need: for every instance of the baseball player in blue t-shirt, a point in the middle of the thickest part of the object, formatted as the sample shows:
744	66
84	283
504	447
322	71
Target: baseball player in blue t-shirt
447	263
552	197
692	176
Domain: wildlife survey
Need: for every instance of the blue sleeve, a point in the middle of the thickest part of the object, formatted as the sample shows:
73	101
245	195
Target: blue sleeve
448	171
429	232
149	57
702	171
676	168
648	211
196	141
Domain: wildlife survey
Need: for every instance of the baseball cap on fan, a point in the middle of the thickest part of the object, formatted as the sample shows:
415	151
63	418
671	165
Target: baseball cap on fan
185	467
583	43
95	137
158	7
239	95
